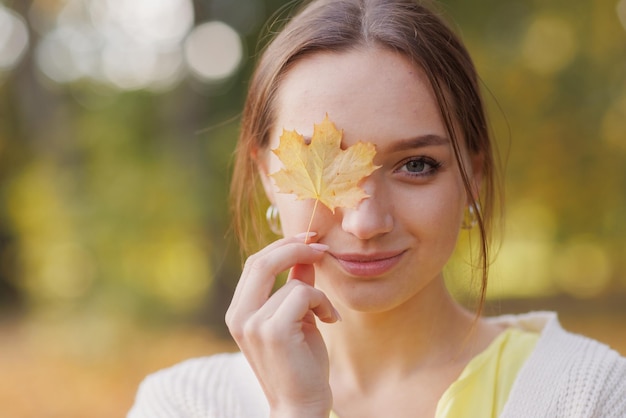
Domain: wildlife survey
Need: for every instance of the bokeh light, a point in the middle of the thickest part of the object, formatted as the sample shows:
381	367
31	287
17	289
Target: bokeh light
523	264
152	22
137	45
13	38
614	124
621	12
126	45
213	51
582	267
549	45
66	55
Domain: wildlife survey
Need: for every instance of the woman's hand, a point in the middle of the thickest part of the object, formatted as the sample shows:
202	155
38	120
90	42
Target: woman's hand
277	332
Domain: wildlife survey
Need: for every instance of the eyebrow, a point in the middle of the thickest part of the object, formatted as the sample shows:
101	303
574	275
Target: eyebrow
418	142
410	143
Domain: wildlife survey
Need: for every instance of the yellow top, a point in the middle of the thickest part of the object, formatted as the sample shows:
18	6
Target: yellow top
484	385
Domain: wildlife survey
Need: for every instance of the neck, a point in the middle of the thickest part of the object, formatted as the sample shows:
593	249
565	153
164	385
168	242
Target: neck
429	331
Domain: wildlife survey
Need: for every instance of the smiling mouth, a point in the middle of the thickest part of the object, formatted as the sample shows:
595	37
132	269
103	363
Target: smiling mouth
373	265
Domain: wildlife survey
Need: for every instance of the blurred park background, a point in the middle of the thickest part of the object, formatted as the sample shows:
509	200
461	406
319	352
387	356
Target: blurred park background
117	123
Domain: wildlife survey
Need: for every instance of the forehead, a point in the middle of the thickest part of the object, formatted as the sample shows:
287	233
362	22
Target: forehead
369	93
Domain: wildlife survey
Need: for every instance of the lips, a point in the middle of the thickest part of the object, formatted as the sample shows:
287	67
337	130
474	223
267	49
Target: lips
368	265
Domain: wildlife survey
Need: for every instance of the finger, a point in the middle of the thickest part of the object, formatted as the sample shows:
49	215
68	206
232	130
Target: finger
261	270
304	237
268	310
264	253
302	299
311	302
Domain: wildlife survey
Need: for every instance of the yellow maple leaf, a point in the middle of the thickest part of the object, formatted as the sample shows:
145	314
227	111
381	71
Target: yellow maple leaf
321	170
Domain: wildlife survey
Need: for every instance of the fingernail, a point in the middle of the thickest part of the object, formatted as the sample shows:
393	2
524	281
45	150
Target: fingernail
305	235
319	247
337	314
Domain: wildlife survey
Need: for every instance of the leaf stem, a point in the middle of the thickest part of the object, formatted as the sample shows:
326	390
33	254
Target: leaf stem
306	240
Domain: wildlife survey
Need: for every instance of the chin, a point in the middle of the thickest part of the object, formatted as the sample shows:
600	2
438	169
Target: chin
366	296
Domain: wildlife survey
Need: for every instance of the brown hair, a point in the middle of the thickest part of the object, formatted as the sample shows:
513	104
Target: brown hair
405	26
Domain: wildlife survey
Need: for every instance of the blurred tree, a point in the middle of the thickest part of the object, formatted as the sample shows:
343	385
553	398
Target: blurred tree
113	198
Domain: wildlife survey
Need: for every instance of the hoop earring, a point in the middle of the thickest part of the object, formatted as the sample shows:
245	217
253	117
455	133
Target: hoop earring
470	217
273	220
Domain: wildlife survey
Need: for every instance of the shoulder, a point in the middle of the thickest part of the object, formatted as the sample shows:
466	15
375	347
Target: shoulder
566	374
222	385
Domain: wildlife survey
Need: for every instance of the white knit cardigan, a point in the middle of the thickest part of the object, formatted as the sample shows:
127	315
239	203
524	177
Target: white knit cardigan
566	376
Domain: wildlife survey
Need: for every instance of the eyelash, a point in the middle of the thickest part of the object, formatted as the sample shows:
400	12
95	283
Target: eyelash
427	161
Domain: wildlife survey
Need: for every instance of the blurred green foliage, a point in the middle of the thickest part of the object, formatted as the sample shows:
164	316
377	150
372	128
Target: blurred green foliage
115	202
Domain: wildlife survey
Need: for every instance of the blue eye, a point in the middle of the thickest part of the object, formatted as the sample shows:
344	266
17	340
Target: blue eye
420	166
415	166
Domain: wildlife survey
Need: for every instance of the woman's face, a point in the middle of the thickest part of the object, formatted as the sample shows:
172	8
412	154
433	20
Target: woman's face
395	243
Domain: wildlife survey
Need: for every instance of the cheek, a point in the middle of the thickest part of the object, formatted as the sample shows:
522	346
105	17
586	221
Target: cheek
295	215
438	213
448	210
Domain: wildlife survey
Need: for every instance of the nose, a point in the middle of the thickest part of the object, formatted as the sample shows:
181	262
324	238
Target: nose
372	216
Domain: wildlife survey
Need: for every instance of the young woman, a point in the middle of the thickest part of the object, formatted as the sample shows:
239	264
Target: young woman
364	326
